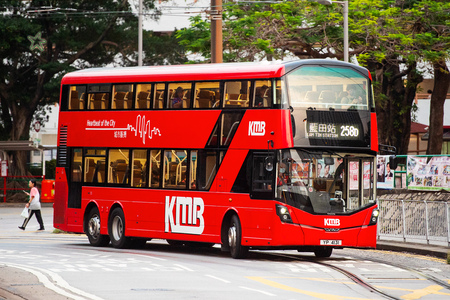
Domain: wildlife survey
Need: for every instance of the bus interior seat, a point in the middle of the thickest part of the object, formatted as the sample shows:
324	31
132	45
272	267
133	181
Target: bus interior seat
76	171
99	174
119	100
143	101
327	97
204	98
312	96
121	169
90	169
128	100
74	100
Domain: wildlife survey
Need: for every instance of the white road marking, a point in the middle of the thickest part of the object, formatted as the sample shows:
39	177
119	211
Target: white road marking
259	291
59	285
217	278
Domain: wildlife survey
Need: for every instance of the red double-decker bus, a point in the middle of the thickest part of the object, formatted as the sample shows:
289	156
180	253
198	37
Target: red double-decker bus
246	155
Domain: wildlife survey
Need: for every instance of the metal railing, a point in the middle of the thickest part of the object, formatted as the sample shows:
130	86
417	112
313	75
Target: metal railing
414	221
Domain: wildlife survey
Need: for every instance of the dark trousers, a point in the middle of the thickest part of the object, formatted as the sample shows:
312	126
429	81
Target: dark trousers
38	217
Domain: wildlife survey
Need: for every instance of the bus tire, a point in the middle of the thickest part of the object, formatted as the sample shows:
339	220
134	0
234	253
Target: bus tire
234	238
92	229
116	229
322	251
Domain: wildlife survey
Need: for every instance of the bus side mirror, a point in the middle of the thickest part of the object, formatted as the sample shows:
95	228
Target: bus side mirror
268	164
393	162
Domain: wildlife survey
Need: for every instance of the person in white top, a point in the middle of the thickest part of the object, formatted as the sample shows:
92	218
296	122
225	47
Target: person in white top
34	206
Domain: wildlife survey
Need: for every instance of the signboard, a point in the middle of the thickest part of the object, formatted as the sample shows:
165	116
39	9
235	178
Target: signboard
385	175
432	176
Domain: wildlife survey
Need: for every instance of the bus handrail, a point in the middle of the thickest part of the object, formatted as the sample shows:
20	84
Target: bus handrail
231	129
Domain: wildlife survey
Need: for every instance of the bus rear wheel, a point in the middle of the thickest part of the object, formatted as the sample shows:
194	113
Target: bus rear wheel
322	251
116	229
92	229
234	239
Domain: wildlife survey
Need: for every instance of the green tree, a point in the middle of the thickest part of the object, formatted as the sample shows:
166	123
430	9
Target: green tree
389	37
77	34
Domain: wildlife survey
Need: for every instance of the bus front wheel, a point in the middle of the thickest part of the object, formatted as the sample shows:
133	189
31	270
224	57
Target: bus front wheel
116	229
92	229
322	251
234	239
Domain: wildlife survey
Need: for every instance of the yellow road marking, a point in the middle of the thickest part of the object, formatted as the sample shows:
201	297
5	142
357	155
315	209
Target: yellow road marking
417	294
295	290
413	295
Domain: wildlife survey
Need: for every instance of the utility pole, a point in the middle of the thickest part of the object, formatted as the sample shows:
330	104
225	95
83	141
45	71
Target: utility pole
140	34
216	31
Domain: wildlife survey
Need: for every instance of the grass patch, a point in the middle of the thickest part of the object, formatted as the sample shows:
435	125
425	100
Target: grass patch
448	258
56	230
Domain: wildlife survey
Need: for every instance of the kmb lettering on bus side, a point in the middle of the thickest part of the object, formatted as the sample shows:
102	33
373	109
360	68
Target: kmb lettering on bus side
187	211
332	222
256	128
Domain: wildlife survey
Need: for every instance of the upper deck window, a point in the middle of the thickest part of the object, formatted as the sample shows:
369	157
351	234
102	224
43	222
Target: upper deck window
237	94
328	87
179	95
122	96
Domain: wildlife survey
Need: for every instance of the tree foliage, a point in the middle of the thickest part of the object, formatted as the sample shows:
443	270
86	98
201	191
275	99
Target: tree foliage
390	37
77	34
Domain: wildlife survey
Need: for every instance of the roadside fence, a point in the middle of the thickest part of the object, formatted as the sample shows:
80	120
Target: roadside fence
414	221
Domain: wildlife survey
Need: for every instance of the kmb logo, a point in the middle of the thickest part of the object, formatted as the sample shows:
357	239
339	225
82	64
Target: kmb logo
256	128
187	211
332	222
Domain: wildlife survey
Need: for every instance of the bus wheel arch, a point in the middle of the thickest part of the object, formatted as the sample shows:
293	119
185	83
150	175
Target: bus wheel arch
92	225
116	228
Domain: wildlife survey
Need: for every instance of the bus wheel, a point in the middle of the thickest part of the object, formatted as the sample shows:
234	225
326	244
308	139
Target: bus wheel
234	239
92	228
323	251
116	229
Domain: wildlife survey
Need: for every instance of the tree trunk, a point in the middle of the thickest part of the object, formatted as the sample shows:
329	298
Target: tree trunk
441	85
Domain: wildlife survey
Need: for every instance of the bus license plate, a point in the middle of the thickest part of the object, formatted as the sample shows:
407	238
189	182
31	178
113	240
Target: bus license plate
330	242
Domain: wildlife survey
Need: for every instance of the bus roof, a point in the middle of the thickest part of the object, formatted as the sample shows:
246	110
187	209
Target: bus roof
189	72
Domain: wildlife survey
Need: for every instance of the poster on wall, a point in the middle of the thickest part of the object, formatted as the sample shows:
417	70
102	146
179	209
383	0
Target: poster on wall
385	175
433	175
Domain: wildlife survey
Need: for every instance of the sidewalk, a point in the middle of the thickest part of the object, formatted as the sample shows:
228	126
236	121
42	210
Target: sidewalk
415	248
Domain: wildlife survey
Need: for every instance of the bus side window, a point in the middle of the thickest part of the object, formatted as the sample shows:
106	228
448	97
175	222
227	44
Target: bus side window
175	166
143	92
263	93
154	168
262	178
158	97
123	94
76	98
236	94
179	95
206	169
76	165
138	178
119	166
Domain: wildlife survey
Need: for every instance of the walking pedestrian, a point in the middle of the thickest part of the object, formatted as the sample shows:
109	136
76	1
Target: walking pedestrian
33	205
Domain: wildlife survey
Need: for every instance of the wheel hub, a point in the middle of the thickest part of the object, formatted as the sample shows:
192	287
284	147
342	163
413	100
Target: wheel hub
94	226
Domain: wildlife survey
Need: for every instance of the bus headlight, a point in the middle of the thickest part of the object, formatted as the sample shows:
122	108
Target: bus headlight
374	217
283	213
